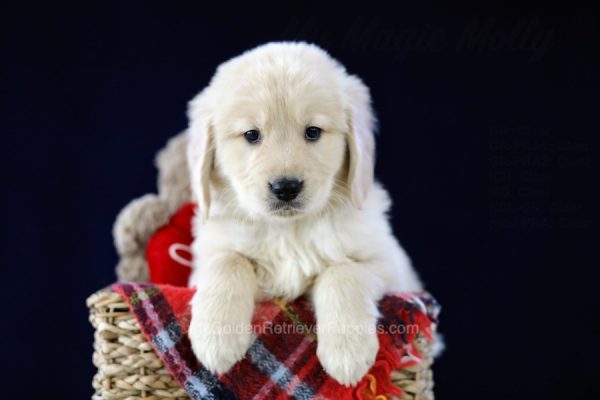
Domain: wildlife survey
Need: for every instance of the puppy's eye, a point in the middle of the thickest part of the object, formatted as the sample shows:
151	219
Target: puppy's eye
252	136
312	133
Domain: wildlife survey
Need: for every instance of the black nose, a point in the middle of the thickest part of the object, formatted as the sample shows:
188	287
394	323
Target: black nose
286	189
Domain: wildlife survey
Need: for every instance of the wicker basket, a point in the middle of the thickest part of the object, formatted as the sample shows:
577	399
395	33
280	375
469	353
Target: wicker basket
128	367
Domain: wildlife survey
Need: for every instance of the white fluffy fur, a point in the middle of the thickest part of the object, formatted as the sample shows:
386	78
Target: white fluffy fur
337	247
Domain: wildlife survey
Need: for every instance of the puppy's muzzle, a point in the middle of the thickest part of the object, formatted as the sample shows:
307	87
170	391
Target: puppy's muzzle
286	188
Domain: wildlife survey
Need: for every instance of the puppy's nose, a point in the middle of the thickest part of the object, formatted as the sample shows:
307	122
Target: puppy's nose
286	188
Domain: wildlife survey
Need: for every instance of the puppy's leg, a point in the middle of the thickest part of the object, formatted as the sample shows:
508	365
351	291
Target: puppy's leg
220	329
345	298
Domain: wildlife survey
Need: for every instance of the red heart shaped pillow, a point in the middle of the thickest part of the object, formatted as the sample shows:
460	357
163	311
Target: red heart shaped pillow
168	251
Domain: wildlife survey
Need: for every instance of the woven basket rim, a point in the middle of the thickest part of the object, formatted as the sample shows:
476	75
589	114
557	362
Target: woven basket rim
129	368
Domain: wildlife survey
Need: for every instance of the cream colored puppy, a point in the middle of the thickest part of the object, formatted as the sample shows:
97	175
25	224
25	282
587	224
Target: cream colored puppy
281	156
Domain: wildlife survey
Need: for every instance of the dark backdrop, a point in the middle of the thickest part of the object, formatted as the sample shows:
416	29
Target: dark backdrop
486	146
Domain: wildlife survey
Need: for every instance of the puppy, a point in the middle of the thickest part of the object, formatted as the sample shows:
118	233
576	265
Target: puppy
281	157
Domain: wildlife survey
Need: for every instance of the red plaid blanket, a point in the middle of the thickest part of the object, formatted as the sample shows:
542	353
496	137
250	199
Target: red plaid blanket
277	365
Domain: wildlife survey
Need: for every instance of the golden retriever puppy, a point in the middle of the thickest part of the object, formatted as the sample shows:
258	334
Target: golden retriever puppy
281	153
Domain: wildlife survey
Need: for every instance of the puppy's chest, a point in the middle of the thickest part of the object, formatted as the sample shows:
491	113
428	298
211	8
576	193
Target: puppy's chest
286	263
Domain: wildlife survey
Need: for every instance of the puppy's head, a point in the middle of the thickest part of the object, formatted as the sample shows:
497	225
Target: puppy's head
285	130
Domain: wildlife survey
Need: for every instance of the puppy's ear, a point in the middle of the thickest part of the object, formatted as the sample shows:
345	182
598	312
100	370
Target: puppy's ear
360	139
200	151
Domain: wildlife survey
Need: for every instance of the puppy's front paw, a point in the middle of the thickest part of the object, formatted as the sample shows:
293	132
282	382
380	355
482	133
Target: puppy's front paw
219	343
347	352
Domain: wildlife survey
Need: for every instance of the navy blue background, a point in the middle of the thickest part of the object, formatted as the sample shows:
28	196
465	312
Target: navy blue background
486	146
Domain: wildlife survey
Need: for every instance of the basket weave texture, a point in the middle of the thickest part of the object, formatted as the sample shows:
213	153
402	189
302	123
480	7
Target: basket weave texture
129	369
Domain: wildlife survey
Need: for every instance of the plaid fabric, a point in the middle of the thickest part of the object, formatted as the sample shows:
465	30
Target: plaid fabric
281	362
